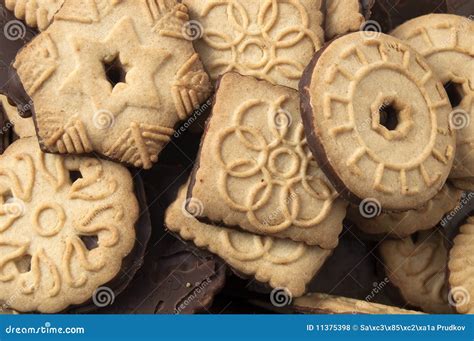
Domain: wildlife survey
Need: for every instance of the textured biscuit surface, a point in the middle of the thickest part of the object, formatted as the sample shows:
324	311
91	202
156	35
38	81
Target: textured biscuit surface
113	77
45	265
282	263
255	170
23	127
271	40
418	269
342	16
377	118
36	13
447	42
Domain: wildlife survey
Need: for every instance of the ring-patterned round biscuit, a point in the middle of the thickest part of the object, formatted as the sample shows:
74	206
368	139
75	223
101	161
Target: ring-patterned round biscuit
377	120
446	41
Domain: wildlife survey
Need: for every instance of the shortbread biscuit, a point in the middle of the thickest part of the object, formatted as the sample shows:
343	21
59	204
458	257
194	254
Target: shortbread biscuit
23	127
317	303
36	13
113	78
280	262
460	265
270	40
403	224
341	17
377	120
417	267
255	170
447	43
46	220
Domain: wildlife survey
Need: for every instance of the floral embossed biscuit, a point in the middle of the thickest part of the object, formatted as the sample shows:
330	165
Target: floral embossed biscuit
255	170
377	120
47	223
460	265
113	77
268	39
403	224
282	263
36	13
447	43
417	267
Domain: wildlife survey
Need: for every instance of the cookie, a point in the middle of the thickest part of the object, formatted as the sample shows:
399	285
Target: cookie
53	207
36	13
280	262
377	121
403	224
23	127
460	269
342	16
417	267
255	170
446	42
317	303
6	134
118	84
270	40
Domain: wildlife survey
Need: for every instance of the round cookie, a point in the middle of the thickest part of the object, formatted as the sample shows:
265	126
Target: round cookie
376	119
446	41
51	209
403	224
461	265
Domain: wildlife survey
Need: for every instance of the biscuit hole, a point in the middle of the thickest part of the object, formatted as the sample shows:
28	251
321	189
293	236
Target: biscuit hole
455	93
415	237
90	242
114	71
75	175
23	264
389	116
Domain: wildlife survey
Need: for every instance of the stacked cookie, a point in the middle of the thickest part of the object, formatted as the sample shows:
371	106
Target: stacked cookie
309	123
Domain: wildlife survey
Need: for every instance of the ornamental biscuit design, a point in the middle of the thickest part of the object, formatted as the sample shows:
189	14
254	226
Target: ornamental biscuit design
269	39
264	178
446	41
280	262
113	77
417	266
45	214
377	119
36	13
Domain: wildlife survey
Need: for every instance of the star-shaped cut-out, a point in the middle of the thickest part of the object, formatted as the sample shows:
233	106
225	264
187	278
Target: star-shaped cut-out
140	63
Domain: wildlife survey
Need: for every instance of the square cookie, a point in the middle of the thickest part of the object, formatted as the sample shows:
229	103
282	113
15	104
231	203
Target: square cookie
255	170
280	262
113	77
270	40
